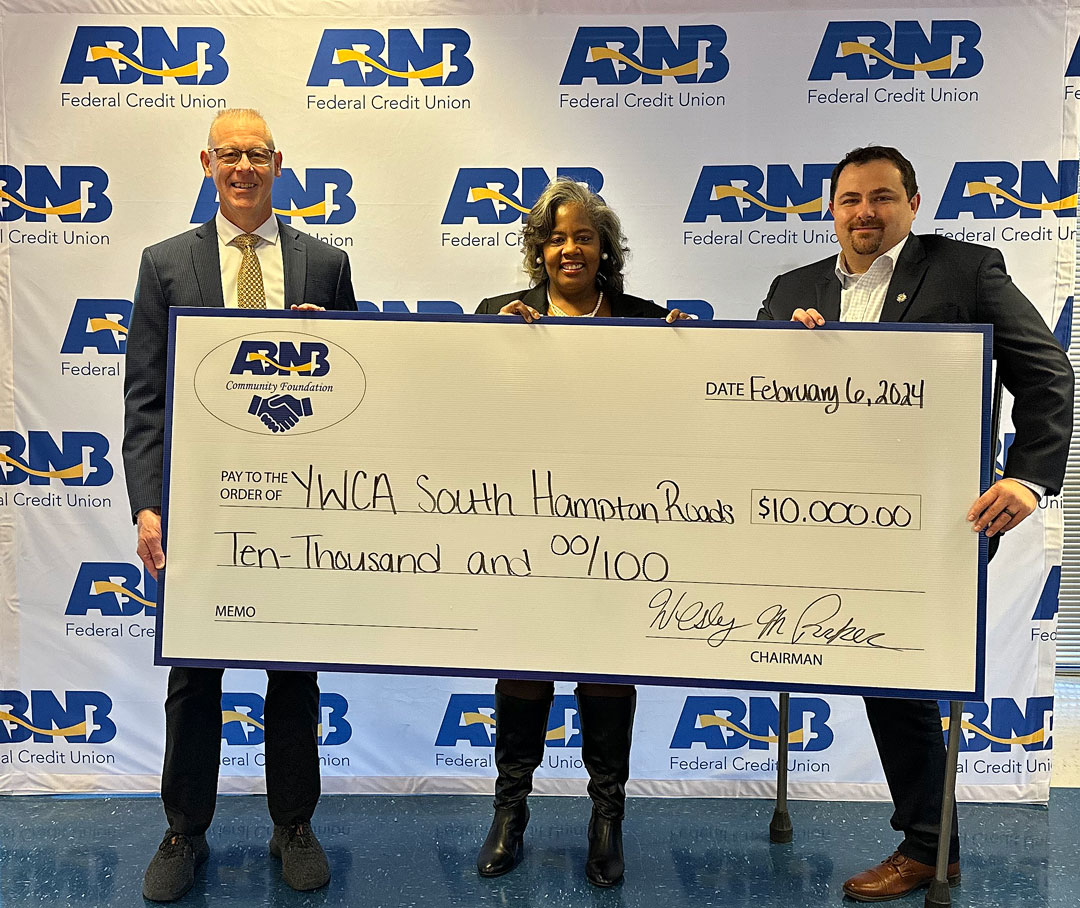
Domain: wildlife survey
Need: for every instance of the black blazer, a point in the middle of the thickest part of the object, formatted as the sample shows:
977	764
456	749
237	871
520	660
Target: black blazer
623	305
941	280
185	270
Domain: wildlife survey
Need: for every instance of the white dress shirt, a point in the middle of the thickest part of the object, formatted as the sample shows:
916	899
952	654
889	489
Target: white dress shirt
862	296
268	249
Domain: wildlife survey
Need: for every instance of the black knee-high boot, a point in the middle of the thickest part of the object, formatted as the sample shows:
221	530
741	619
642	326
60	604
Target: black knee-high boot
520	732
606	730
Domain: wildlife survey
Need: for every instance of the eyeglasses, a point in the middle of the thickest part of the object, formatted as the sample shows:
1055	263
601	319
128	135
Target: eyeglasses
257	157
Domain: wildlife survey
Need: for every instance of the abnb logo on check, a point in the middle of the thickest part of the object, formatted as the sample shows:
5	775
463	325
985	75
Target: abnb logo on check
281	412
279	381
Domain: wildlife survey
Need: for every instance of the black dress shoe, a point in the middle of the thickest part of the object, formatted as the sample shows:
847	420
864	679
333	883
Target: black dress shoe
171	871
303	861
605	865
504	845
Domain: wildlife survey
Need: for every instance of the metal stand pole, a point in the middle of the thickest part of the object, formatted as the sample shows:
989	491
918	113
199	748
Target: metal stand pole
780	830
938	896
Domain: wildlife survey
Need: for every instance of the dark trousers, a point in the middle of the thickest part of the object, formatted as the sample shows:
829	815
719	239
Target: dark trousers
910	743
193	747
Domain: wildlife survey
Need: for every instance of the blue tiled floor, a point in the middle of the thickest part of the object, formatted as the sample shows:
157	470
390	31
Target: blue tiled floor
419	852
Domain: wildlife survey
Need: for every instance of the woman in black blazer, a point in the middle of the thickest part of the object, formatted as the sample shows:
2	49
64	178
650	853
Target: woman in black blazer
574	255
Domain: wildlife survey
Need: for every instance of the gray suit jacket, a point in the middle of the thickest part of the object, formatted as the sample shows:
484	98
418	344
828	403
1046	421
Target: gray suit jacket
941	280
185	271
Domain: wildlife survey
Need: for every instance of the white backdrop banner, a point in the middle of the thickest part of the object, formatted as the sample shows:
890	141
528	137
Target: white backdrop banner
414	137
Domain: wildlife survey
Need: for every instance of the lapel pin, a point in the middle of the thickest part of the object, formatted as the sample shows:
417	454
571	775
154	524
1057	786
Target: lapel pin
901	297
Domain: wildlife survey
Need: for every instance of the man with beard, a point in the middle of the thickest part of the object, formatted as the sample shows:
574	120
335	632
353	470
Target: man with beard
884	273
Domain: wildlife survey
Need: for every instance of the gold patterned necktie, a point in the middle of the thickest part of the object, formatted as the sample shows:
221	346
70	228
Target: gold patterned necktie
249	282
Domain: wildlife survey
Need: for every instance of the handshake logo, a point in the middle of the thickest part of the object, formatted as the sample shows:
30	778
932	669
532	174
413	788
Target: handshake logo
280	386
280	412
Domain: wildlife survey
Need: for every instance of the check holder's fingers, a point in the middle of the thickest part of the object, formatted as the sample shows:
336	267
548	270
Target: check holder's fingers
811	318
517	307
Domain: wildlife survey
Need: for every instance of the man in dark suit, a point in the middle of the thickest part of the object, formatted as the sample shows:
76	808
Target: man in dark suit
884	273
243	258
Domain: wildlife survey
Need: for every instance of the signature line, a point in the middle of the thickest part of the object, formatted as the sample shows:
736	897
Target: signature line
406	627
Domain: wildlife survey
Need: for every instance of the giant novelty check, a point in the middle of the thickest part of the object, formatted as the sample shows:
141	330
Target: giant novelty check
735	504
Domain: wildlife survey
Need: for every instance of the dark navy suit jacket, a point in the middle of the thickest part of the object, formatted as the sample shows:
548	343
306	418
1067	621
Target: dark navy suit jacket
941	280
185	271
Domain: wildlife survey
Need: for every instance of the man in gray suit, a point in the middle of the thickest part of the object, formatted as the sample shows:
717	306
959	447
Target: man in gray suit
885	273
245	257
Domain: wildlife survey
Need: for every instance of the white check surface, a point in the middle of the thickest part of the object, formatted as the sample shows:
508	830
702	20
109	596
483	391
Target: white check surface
626	500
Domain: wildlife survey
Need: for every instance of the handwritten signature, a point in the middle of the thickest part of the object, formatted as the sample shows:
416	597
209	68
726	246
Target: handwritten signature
821	622
692	615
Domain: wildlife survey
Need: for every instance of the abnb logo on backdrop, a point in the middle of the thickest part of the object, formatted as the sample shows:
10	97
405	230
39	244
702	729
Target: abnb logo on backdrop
499	195
78	716
869	49
1073	69
117	55
98	325
619	55
991	190
470	719
1046	608
242	719
78	194
114	589
320	197
728	723
743	192
1004	723
77	459
365	57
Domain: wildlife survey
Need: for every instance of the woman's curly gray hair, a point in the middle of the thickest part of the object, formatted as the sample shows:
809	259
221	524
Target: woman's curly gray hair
541	222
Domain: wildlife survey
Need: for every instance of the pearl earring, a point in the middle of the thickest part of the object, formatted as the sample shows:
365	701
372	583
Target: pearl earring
539	260
604	256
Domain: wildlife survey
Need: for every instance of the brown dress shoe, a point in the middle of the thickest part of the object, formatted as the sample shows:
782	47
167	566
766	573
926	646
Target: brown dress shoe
897	875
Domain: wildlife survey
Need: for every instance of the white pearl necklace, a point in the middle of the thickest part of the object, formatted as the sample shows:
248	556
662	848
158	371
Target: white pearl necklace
555	310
